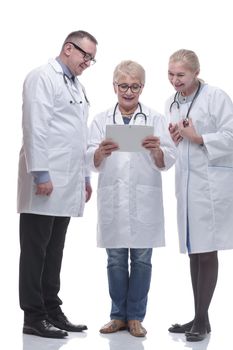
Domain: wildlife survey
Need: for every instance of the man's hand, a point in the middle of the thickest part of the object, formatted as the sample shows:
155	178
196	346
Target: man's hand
44	189
88	191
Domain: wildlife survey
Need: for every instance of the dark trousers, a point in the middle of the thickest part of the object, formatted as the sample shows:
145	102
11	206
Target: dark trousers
42	240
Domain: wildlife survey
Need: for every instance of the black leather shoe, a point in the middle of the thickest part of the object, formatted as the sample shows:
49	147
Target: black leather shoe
61	321
195	336
180	328
43	329
185	328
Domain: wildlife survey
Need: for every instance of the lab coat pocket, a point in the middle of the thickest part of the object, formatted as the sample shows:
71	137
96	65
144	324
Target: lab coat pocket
221	187
59	166
221	184
105	204
149	204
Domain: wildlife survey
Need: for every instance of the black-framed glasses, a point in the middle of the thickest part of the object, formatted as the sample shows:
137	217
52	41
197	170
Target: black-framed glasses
86	56
135	88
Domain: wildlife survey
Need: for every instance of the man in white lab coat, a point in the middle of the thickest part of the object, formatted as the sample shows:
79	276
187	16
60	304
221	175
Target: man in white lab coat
53	182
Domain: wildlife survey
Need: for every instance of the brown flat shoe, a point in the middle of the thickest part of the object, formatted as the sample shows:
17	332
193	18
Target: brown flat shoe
136	329
113	326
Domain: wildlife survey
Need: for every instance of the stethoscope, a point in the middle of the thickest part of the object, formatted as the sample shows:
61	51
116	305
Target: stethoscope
66	78
140	114
176	102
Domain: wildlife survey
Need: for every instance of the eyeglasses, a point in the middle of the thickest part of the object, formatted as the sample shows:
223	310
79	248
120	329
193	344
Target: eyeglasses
86	56
125	87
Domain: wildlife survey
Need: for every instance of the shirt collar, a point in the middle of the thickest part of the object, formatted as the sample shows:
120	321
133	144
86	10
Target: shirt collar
65	69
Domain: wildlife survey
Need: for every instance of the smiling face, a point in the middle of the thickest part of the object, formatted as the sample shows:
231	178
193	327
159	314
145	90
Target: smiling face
182	77
128	90
75	55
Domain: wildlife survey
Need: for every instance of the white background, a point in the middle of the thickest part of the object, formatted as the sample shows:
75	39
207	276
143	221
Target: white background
146	31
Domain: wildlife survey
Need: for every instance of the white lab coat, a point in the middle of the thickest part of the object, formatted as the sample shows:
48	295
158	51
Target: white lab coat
54	140
129	201
204	174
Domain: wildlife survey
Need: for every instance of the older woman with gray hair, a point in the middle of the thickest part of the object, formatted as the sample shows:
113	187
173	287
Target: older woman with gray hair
130	203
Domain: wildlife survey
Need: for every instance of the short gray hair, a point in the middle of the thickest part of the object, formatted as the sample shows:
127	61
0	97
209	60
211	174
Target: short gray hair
80	34
131	68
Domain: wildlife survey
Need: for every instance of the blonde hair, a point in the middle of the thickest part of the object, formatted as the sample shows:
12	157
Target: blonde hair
188	57
131	68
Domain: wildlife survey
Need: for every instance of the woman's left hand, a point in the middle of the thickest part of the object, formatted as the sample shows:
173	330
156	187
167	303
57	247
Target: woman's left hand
151	143
188	131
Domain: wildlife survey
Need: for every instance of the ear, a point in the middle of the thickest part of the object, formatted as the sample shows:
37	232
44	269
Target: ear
114	87
197	73
67	49
141	89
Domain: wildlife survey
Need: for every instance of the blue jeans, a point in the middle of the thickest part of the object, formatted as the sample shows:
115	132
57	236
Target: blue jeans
129	289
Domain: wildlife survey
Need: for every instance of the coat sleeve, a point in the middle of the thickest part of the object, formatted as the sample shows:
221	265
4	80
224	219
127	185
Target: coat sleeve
220	142
166	143
38	96
96	136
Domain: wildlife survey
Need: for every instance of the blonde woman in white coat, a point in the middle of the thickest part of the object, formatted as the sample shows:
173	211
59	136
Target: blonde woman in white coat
51	182
130	207
202	128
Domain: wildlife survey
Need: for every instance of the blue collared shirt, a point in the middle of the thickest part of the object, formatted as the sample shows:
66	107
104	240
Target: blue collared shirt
65	69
